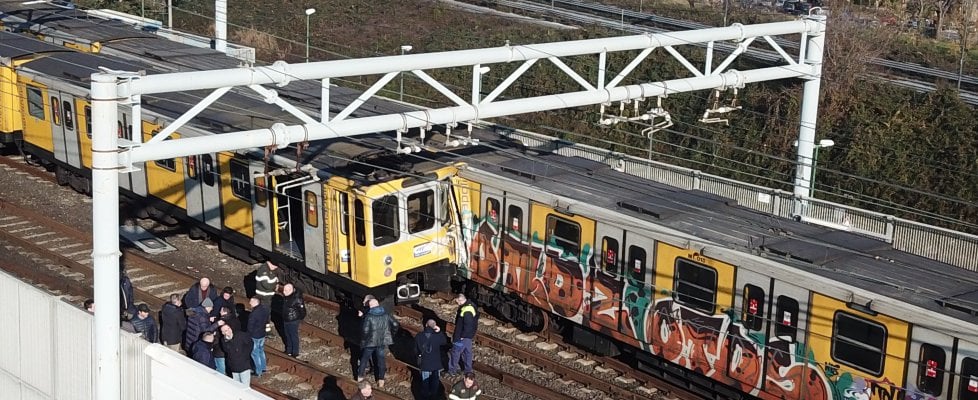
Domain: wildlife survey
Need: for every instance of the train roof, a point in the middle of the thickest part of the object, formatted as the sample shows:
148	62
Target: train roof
837	255
43	17
15	46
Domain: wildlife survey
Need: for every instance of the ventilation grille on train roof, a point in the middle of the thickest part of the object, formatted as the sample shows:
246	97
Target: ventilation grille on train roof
965	302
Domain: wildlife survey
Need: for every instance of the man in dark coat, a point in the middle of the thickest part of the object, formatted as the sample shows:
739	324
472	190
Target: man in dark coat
144	324
201	351
428	344
126	299
173	322
377	333
293	312
466	323
256	329
198	321
198	292
226	299
237	349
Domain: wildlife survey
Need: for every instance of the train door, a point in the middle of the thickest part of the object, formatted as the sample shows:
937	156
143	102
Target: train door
964	384
638	272
339	233
787	321
262	227
57	130
752	307
929	371
606	278
288	215
516	244
201	187
568	243
486	240
315	244
68	129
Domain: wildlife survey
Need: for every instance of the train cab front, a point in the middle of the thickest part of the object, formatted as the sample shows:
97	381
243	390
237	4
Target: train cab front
399	243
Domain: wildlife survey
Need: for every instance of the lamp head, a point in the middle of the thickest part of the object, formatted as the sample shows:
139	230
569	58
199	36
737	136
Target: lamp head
310	11
826	143
406	48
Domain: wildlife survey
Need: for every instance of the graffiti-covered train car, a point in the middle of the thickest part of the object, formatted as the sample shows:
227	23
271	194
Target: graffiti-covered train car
745	304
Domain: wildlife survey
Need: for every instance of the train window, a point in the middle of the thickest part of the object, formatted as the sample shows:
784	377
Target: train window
930	369
421	211
492	210
207	170
565	234
969	379
68	116
515	215
55	111
261	193
120	131
859	343
609	255
387	225
312	209
168	164
696	285
88	121
753	308
344	213
359	225
445	193
192	166
637	263
786	318
240	184
35	102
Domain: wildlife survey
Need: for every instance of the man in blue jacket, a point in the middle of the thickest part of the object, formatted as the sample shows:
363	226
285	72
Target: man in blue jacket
466	323
256	329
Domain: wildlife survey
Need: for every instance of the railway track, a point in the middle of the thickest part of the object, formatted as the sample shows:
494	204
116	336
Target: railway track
524	367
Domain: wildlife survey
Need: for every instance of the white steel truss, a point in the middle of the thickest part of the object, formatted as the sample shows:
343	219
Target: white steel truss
112	155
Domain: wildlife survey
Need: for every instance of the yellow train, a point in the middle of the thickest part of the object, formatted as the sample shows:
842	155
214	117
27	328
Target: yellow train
689	285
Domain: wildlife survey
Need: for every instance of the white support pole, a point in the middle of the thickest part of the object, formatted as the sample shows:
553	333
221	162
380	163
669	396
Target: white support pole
324	107
809	113
221	26
105	235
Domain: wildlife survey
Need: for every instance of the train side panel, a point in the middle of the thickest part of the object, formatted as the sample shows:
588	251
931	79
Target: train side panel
235	194
864	353
165	178
37	128
11	120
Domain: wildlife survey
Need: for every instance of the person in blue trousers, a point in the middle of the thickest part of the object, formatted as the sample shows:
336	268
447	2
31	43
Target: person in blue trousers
257	330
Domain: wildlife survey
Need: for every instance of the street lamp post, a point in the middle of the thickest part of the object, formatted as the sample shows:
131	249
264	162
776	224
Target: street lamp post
404	49
821	143
309	13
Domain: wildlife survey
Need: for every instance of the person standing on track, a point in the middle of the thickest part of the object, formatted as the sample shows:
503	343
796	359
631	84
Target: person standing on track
266	285
466	324
466	389
144	324
256	328
293	312
200	291
428	344
237	349
377	333
173	322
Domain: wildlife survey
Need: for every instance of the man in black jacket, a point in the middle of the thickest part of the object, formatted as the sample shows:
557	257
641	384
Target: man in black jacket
237	350
428	344
257	331
200	291
466	323
173	322
377	333
293	312
144	324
